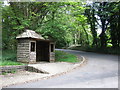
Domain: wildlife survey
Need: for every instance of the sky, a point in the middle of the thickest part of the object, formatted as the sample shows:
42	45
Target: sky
6	3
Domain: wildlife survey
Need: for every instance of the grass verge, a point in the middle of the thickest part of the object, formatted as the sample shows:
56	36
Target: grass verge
62	56
8	62
9	58
13	71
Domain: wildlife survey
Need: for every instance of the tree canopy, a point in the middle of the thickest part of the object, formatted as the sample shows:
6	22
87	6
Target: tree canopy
68	23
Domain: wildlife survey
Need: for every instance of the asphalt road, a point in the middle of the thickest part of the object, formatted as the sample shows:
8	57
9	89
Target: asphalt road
101	71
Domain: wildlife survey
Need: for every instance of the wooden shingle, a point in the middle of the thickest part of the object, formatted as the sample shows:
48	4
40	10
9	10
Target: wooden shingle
30	34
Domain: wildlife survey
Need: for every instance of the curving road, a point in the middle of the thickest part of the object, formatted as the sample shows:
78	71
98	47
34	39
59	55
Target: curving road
101	71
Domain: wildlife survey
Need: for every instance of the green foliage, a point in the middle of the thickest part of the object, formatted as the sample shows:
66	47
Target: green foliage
108	50
8	62
8	55
13	71
61	20
4	73
9	58
62	56
105	16
68	23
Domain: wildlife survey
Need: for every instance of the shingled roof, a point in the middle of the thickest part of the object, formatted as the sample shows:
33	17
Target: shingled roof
30	34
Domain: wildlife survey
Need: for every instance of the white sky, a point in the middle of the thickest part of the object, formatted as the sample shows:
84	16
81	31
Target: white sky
6	3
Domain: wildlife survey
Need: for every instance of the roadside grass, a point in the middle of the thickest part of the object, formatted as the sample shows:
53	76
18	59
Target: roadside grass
62	56
8	62
13	71
9	58
108	50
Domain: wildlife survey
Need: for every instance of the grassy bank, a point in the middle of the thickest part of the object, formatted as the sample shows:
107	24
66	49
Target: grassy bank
62	56
107	50
9	58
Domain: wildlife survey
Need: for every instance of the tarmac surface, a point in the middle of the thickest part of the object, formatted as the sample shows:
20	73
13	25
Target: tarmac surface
101	71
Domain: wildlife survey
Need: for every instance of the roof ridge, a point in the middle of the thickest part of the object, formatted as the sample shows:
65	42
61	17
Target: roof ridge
29	34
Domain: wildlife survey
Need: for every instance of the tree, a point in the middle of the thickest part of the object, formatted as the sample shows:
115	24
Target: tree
90	13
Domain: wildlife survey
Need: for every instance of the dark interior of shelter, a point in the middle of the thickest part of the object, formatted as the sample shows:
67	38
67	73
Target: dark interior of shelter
42	53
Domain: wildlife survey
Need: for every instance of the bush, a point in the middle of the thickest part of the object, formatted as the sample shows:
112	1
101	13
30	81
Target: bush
9	55
107	50
9	58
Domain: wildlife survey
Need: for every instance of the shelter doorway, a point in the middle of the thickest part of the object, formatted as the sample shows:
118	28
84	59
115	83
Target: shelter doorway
42	51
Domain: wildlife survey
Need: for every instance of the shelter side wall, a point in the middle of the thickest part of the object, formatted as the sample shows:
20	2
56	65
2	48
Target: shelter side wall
32	54
52	52
23	50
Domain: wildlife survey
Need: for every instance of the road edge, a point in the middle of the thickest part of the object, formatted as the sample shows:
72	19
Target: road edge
76	66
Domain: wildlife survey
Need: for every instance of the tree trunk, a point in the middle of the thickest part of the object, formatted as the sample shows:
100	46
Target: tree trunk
86	34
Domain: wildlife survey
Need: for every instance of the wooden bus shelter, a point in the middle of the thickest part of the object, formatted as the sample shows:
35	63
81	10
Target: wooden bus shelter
32	48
